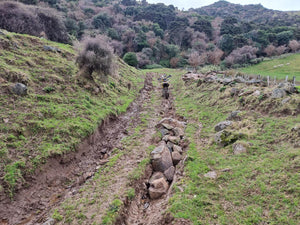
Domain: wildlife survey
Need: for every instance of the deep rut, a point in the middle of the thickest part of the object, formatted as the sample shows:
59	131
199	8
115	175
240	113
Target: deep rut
61	174
142	210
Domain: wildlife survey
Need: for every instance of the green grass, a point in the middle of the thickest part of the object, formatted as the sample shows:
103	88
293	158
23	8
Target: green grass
60	109
258	187
271	67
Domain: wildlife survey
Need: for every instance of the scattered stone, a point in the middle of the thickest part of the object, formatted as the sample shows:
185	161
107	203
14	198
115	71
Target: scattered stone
50	221
222	125
161	158
158	188
211	174
226	81
226	170
286	100
238	148
146	205
172	122
19	89
224	137
177	148
5	120
239	80
235	115
278	93
256	93
51	48
234	92
170	146
1	32
176	156
169	173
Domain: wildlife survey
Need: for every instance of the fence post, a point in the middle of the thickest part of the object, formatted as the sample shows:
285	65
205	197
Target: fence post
286	78
268	80
294	80
274	80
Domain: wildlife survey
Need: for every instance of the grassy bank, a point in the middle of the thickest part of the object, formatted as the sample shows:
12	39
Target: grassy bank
60	109
257	187
279	67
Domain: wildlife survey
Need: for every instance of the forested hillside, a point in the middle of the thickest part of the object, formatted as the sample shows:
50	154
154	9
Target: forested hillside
156	35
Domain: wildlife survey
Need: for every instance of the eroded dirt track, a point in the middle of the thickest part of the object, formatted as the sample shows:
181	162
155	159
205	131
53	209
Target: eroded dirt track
60	174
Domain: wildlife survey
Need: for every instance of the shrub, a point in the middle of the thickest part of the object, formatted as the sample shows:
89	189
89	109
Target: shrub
241	55
95	56
131	59
294	45
32	20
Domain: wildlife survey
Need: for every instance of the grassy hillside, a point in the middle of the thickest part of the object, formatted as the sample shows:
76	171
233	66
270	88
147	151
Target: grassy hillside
279	68
60	108
257	187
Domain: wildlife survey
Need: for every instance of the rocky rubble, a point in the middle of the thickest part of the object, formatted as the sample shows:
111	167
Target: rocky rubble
166	156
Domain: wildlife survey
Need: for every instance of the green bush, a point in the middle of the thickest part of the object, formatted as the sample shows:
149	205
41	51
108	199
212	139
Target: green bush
131	59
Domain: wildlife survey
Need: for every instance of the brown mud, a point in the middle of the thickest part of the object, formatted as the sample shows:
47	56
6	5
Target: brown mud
49	186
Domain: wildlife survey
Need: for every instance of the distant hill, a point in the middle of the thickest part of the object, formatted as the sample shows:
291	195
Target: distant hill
249	13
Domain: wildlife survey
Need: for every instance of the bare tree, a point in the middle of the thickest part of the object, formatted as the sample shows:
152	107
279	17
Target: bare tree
194	60
270	50
294	45
280	50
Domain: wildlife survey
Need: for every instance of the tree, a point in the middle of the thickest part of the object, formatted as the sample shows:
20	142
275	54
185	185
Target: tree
102	21
226	43
128	2
131	59
284	37
270	50
294	45
241	55
173	62
203	25
194	60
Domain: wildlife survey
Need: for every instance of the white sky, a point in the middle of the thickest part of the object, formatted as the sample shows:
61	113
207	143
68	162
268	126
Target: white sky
283	5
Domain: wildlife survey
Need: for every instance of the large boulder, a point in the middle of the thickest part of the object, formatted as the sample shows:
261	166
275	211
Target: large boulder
222	125
224	137
173	139
179	132
158	187
177	148
19	89
278	93
161	158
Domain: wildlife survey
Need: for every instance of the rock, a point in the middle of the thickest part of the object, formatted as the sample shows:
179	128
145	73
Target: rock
51	48
156	176
172	139
234	92
170	146
167	126
222	125
50	221
169	173
239	80
238	148
211	174
226	81
286	100
287	87
1	32
158	188
176	156
164	132
178	132
19	89
235	115
256	93
171	122
161	158
278	93
177	148
224	137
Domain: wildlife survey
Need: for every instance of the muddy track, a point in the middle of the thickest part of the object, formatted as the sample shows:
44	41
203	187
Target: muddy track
142	210
48	187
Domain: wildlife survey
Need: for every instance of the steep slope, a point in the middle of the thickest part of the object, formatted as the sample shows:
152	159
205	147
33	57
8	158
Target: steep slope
60	108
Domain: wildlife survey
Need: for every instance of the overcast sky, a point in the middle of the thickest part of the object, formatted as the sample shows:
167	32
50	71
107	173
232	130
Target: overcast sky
283	5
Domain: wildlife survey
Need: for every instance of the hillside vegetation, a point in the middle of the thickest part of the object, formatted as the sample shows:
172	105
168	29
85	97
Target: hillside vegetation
61	108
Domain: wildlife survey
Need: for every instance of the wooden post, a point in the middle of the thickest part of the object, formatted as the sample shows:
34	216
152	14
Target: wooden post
268	80
286	78
294	80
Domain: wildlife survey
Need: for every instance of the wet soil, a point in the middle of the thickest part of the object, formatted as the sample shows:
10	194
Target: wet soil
50	185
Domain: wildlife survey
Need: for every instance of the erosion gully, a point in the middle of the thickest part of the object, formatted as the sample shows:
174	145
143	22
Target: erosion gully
49	186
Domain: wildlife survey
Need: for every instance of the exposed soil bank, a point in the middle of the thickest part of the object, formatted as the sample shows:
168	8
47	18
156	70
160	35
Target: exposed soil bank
48	186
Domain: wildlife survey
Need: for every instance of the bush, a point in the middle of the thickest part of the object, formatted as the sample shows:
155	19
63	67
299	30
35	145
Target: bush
241	55
32	20
131	59
96	56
